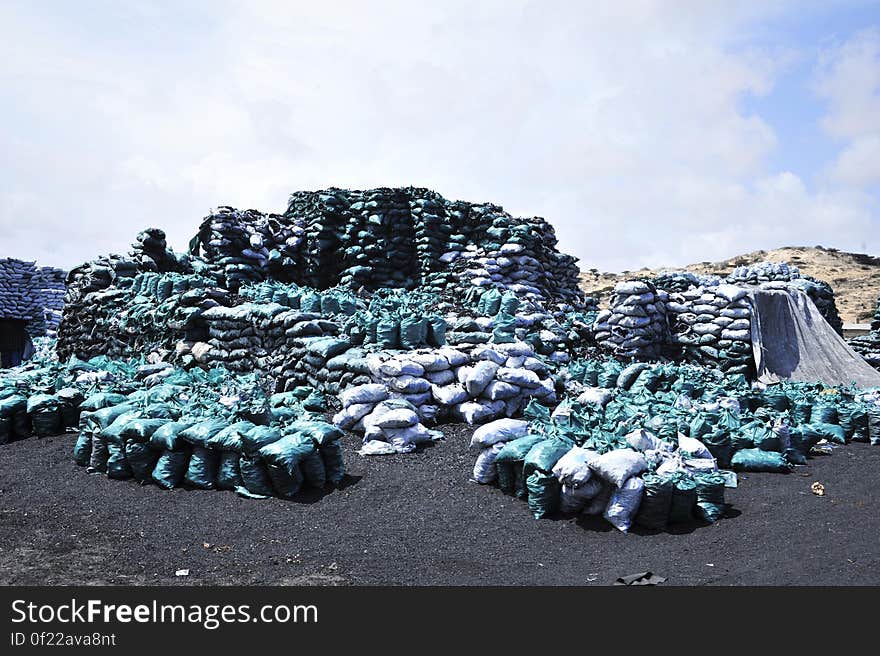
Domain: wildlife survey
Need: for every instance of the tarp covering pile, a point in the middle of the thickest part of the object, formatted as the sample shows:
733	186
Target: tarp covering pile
793	342
820	292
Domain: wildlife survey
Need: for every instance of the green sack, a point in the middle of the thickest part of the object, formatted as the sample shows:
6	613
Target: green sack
504	329
684	500
171	467
255	439
117	464
509	303
142	460
334	465
544	490
203	467
413	332
102	400
82	450
710	497
756	460
201	433
824	414
388	333
489	303
228	471
167	436
656	503
761	436
254	476
830	432
436	331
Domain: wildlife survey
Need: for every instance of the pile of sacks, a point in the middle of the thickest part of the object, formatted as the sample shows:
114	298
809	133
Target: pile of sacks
405	238
257	336
33	294
868	346
643	480
635	326
328	362
243	246
755	274
474	385
389	425
150	252
18	298
161	443
139	314
713	327
51	287
681	281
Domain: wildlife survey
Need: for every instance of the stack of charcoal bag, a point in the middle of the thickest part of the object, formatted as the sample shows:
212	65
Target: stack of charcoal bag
558	464
211	430
868	346
403	237
20	295
50	285
151	253
242	246
555	331
681	281
139	314
674	427
712	325
635	326
471	384
766	273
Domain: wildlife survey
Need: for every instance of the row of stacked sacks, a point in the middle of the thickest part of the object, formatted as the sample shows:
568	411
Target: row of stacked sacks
18	297
635	325
677	423
328	302
396	319
141	313
257	336
868	346
384	237
811	411
158	441
771	274
712	325
244	247
150	252
633	479
502	317
43	397
427	386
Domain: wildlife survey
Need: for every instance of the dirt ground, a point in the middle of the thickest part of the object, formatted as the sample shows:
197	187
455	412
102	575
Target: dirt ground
417	520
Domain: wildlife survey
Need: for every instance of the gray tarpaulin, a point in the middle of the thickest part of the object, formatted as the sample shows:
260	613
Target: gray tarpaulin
792	341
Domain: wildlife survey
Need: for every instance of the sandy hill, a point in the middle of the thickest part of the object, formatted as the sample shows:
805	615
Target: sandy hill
855	277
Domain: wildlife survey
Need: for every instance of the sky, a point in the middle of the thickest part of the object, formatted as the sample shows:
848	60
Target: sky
648	132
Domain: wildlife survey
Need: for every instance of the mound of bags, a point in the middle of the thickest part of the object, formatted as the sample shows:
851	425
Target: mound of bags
635	326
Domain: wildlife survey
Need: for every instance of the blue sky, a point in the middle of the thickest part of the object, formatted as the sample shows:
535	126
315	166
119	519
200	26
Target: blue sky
648	132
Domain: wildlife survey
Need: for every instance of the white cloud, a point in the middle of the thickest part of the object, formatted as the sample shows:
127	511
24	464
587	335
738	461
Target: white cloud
848	78
620	123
